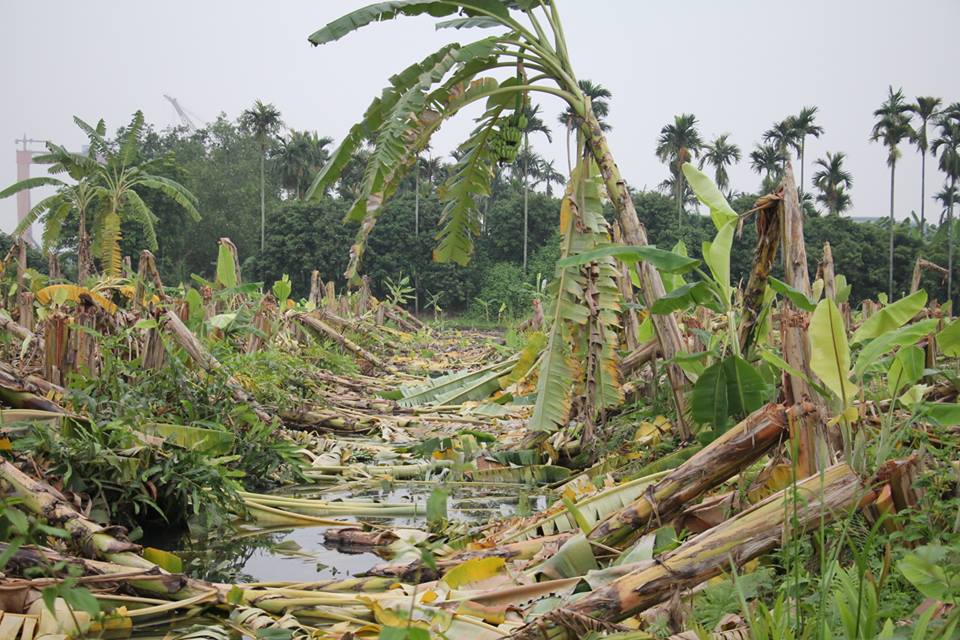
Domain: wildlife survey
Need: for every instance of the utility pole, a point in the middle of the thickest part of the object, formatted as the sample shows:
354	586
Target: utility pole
24	160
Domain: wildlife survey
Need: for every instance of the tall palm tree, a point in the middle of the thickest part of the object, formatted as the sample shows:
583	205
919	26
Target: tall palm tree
720	154
926	108
804	125
891	127
947	145
112	176
767	160
534	124
263	123
833	182
547	175
946	197
679	142
600	101
300	156
783	136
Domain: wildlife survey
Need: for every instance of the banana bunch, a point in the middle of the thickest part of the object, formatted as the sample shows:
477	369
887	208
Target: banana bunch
505	142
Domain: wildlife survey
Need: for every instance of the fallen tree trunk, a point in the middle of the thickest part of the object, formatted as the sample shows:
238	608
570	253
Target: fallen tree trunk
189	343
17	393
734	450
640	356
820	499
19	331
46	502
918	268
318	326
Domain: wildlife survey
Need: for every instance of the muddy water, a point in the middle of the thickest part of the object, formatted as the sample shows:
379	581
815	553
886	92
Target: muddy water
301	554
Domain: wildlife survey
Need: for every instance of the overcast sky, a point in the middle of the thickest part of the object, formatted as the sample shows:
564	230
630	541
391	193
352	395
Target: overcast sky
737	65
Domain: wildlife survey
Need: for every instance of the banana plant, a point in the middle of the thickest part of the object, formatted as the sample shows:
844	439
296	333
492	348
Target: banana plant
580	354
726	384
528	39
113	178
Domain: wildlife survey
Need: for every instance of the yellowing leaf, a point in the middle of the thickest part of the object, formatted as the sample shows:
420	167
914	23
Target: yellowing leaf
73	293
830	352
474	570
891	317
164	559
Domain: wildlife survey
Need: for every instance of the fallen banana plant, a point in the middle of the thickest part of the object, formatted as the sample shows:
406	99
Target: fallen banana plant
736	449
624	591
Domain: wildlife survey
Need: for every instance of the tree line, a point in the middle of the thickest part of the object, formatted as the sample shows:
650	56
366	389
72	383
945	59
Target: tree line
248	179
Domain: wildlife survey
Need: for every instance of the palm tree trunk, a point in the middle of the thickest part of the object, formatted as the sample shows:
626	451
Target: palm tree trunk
679	189
893	168
953	186
263	204
803	149
923	191
526	194
666	326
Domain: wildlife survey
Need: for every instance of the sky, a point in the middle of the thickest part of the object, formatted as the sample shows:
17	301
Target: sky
737	65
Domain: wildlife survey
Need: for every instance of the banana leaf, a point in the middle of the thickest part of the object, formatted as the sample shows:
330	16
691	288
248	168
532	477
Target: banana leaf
593	509
210	441
533	474
458	387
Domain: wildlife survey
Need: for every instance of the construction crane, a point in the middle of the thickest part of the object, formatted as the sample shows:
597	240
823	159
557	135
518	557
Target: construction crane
184	118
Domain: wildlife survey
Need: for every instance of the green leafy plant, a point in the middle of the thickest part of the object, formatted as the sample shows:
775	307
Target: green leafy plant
399	291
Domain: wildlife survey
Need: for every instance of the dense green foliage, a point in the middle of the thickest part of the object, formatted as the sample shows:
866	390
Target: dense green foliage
220	166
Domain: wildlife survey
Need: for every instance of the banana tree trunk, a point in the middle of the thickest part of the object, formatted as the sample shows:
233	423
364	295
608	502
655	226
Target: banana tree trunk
666	326
764	255
808	430
83	250
19	393
631	324
735	450
47	503
828	273
638	357
760	529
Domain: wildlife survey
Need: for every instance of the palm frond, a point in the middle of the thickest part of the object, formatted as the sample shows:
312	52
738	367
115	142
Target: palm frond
383	11
138	210
173	190
96	136
131	138
53	224
36	212
469	179
373	118
30	183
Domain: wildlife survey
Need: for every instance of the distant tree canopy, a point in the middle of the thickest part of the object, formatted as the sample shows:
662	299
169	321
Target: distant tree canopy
220	165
